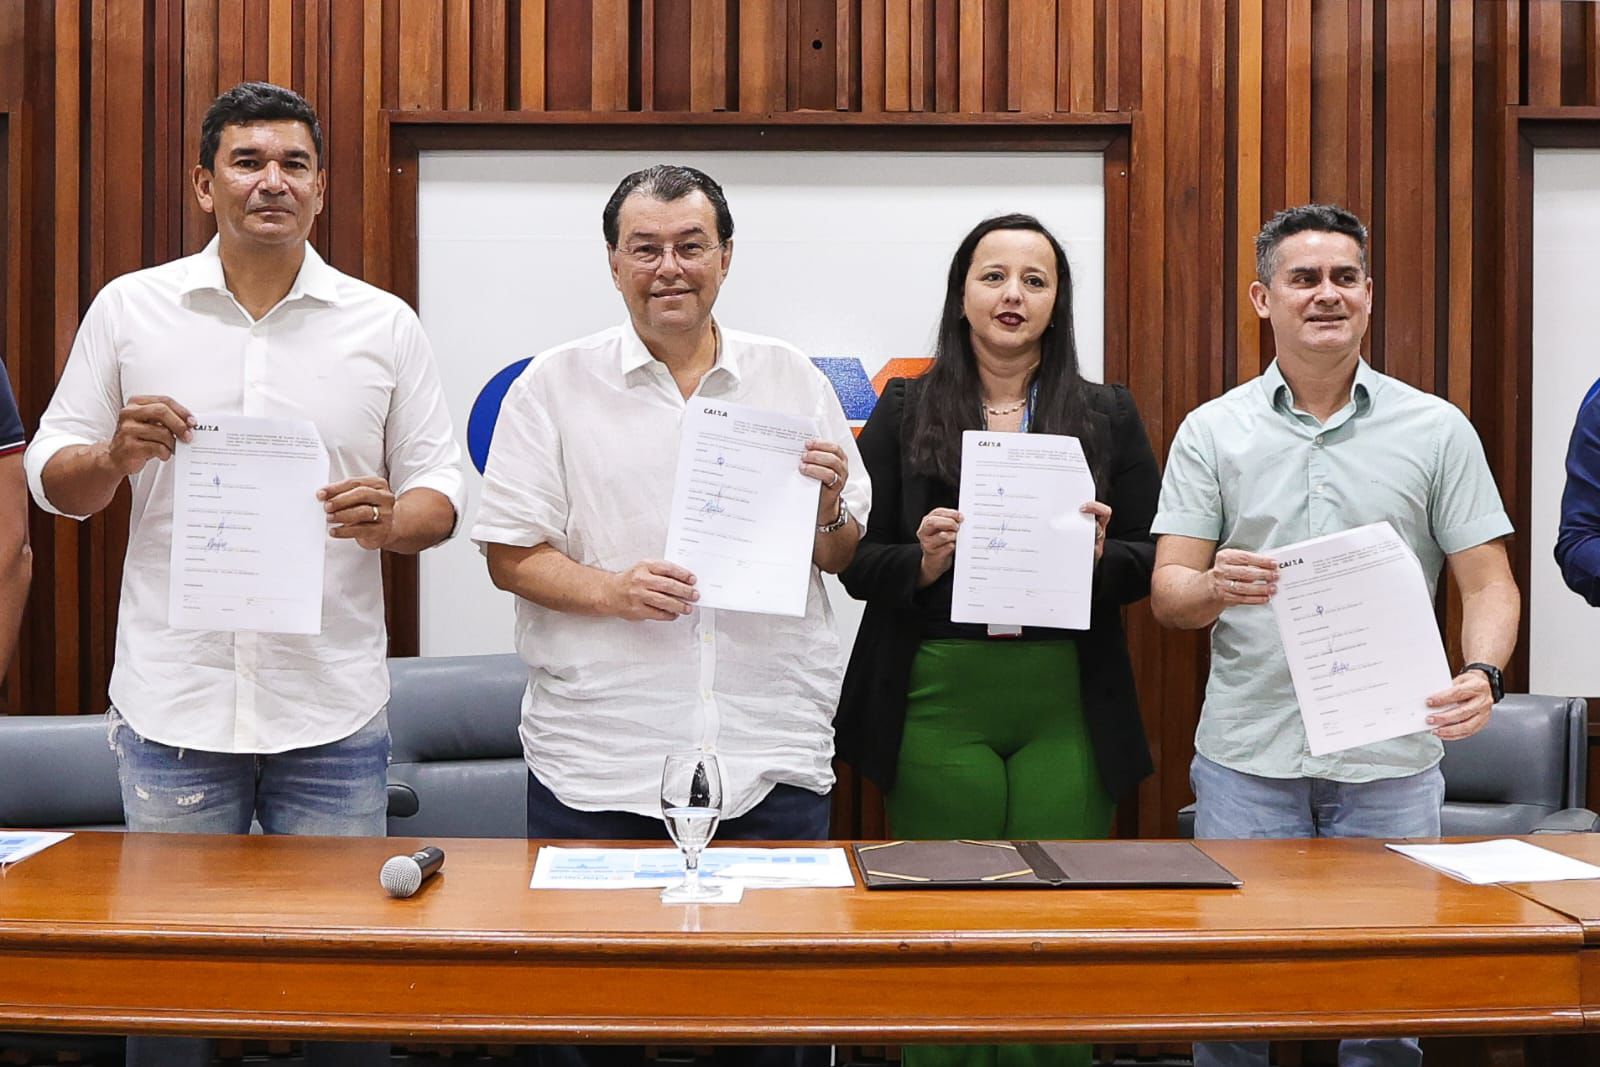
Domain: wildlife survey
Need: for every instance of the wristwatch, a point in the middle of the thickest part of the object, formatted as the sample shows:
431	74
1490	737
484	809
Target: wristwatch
839	523
1497	685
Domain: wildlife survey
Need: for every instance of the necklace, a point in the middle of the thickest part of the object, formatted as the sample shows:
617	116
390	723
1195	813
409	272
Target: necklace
1009	409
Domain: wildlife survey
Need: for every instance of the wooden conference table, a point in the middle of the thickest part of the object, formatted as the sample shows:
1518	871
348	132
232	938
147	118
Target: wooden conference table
125	933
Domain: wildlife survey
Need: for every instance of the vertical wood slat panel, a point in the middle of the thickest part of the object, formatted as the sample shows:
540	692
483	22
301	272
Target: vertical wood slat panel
458	55
947	56
167	129
68	598
569	53
761	54
897	55
1249	362
705	58
1591	55
531	39
970	48
421	44
1407	222
374	184
1075	47
1297	102
608	70
1544	52
280	42
847	45
199	87
918	60
873	57
1459	341
1331	84
489	56
1031	54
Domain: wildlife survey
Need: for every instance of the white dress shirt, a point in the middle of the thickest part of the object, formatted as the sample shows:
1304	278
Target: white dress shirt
584	457
347	356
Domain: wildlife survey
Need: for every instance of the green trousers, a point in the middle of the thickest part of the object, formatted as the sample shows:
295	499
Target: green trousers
995	747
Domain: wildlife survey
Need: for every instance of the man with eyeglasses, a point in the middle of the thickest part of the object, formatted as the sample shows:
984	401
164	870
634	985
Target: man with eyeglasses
623	667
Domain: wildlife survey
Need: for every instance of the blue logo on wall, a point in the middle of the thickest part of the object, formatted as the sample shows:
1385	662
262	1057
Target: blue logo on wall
486	409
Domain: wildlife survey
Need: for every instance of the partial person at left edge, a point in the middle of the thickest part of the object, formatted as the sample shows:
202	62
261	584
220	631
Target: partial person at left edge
16	558
212	728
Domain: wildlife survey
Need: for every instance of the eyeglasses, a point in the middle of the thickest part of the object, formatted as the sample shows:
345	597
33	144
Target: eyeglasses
649	255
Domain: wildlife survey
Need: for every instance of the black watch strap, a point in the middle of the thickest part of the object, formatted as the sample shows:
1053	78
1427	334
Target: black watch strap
1497	686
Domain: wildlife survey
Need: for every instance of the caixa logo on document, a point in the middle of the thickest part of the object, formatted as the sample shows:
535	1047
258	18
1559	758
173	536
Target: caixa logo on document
857	391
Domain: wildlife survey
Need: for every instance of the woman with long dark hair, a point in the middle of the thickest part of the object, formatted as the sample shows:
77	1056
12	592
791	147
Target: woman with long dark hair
972	735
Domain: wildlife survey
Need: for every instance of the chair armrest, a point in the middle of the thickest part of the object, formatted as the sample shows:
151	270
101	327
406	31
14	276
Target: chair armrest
1569	821
403	801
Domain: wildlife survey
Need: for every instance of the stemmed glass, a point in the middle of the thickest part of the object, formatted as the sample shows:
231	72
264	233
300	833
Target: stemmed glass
691	804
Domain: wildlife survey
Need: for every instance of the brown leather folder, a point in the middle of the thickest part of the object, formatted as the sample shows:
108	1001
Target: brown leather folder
1040	865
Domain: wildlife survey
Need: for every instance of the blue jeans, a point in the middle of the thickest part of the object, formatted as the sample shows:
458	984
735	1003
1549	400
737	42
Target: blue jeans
1231	804
788	813
335	790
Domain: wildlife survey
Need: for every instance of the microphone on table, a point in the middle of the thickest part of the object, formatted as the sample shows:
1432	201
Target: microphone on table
403	875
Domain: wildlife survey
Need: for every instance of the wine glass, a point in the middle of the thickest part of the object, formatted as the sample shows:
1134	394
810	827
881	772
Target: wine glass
691	804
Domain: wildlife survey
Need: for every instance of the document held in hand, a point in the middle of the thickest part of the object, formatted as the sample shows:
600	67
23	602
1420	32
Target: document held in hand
249	535
1360	636
743	516
1025	550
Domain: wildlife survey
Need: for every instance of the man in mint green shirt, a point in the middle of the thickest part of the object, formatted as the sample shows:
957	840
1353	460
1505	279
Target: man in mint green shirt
1320	443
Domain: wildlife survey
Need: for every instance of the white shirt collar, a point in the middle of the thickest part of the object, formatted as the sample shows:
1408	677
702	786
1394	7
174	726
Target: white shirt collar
315	280
634	354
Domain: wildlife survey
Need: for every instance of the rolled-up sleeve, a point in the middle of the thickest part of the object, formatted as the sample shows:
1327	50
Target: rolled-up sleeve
524	500
87	400
420	447
1578	540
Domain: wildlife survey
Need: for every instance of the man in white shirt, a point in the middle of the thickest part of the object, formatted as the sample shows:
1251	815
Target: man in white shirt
623	667
212	728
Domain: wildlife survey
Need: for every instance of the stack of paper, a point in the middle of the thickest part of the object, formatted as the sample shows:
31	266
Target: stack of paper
1502	860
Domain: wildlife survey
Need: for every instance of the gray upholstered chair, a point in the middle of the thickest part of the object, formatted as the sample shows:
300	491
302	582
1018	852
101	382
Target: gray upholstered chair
456	769
1526	771
58	773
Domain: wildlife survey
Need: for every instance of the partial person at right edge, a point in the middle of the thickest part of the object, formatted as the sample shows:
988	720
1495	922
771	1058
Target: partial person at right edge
1578	540
1318	444
973	736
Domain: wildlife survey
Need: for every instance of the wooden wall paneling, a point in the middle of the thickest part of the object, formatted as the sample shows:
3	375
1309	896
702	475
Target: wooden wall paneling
1363	121
569	43
532	43
1076	40
703	54
996	46
1591	55
897	55
280	42
761	54
458	54
374	162
1297	102
421	41
609	68
490	56
814	55
1332	82
670	74
642	56
919	61
257	37
874	56
199	57
230	43
1544	52
1407	226
312	53
969	48
1215	247
1031	66
947	56
1458	206
344	141
1247	193
166	141
846	53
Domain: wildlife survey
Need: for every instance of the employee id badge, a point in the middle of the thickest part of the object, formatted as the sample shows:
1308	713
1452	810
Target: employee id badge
997	629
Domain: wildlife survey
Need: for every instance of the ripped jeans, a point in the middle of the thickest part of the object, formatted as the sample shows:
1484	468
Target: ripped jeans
332	790
337	790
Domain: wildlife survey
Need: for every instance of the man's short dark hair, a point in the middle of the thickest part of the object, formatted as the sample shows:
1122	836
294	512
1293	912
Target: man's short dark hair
667	182
250	102
1320	218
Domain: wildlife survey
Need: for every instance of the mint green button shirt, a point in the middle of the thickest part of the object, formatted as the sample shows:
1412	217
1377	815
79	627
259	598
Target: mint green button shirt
1250	471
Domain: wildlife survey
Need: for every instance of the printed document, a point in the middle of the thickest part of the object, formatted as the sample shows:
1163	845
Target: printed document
18	845
654	868
743	516
1359	632
1502	860
249	535
1025	552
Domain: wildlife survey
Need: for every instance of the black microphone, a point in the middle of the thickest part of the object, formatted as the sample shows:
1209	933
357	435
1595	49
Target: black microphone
403	875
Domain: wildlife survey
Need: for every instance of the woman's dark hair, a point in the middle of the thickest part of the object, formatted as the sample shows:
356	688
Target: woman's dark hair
949	397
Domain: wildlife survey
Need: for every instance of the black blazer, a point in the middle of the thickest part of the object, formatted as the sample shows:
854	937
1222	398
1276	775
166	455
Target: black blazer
899	617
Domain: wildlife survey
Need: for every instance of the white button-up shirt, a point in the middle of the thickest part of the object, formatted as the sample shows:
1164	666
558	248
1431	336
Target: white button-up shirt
347	356
583	459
